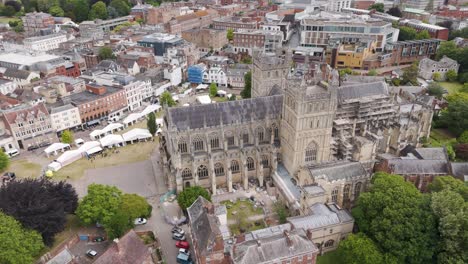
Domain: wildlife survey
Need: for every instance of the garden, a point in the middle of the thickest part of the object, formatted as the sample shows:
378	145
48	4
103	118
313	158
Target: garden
243	216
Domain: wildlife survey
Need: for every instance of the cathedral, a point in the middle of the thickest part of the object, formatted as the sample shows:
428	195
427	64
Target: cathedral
308	131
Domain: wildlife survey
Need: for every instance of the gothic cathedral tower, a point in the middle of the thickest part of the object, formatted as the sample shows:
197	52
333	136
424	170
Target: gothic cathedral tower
309	106
269	73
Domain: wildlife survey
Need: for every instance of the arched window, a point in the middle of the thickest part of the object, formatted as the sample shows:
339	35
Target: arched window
346	191
202	172
334	195
235	166
219	169
183	146
250	164
245	137
230	139
357	190
265	162
329	243
214	141
311	152
197	144
186	174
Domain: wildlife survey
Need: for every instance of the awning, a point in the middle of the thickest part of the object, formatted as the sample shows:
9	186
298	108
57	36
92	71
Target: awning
93	150
93	122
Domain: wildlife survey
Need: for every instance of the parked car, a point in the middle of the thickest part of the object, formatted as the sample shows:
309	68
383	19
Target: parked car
178	236
184	251
183	259
98	239
182	244
140	221
178	230
91	253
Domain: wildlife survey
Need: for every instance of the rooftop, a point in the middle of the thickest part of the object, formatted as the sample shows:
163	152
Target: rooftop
25	59
338	171
321	216
86	96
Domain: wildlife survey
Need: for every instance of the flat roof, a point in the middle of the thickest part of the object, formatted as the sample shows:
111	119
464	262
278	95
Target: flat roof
24	59
86	96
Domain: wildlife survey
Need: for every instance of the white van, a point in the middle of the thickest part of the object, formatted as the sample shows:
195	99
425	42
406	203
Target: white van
12	153
113	119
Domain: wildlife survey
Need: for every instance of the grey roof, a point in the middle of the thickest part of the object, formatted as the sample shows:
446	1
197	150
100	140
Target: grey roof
338	171
15	73
204	227
287	179
212	115
63	257
358	79
273	248
269	231
415	166
313	190
459	169
58	109
322	216
431	153
220	209
359	91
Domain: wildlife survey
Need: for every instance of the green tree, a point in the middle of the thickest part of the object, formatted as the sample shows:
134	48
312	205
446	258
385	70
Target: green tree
345	71
190	194
151	123
450	152
4	160
8	11
232	98
407	33
423	34
56	11
394	209
379	7
451	75
281	212
45	5
166	99
213	89
247	92
359	249
454	116
99	205
436	90
230	34
395	11
463	138
451	212
247	60
18	245
449	183
436	76
449	49
80	10
135	206
118	225
410	74
67	137
106	53
98	11
121	6
396	81
463	77
372	72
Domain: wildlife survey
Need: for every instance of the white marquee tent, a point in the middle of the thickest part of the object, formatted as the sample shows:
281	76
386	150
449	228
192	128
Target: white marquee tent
136	134
109	129
54	166
112	140
54	148
93	150
69	157
150	109
89	145
131	118
204	99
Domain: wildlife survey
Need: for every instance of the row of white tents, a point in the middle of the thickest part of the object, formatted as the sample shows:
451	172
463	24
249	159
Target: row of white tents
92	147
134	117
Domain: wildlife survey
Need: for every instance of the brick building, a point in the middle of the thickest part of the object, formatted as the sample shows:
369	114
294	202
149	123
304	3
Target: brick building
206	38
99	101
234	22
197	19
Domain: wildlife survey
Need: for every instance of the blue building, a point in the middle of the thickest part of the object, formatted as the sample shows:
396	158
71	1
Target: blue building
195	73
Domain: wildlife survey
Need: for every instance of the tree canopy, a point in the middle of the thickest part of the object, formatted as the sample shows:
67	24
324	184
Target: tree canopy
56	11
166	99
450	49
359	249
213	89
379	7
151	123
396	216
17	244
190	194
372	72
67	137
436	90
410	74
39	204
230	34
80	9
454	116
4	160
247	92
423	34
98	10
99	205
122	7
449	183
407	33
134	206
106	53
451	75
395	11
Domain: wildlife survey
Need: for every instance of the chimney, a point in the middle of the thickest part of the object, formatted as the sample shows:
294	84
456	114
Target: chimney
288	238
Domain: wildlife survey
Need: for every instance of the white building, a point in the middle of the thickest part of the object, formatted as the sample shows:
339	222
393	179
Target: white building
136	92
45	43
7	86
173	74
215	75
65	117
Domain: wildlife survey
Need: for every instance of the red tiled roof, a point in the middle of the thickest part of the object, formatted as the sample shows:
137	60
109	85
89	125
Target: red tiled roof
129	249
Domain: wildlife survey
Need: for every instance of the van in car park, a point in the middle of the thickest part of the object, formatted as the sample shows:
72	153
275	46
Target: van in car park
184	259
12	153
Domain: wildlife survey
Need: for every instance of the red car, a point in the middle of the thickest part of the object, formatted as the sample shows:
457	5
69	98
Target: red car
182	244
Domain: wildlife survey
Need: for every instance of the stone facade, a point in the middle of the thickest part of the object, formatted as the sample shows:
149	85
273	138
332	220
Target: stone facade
428	67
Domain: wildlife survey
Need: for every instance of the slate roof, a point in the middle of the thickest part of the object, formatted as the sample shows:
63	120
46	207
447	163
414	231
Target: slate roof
415	166
204	227
338	171
231	112
361	90
459	169
431	153
15	73
129	249
322	216
269	249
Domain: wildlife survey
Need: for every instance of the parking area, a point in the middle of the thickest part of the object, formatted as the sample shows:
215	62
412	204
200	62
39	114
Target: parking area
79	250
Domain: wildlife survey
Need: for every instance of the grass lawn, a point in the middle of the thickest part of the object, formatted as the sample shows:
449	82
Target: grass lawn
219	99
128	154
239	212
441	137
452	87
331	257
25	169
245	206
4	20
